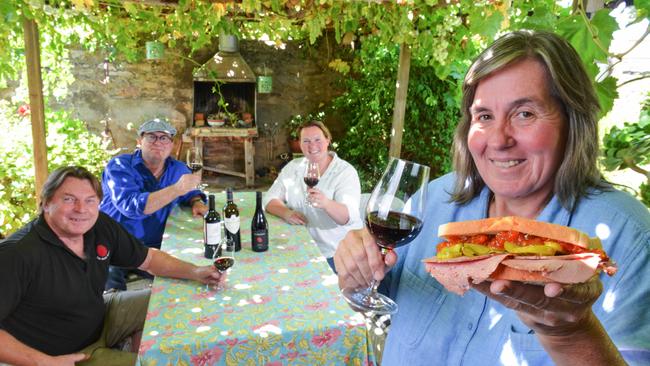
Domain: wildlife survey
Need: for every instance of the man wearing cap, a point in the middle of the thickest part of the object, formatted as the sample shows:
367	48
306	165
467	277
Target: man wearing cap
142	188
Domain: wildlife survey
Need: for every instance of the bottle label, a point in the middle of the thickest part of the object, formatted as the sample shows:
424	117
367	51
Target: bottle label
213	233
232	224
260	239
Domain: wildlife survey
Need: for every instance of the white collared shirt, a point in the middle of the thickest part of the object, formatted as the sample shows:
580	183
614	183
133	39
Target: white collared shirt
340	182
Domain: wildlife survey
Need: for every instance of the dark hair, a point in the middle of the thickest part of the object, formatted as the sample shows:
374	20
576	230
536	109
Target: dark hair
318	124
568	83
57	177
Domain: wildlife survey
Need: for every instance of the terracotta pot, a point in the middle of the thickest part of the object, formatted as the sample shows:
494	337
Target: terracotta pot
294	146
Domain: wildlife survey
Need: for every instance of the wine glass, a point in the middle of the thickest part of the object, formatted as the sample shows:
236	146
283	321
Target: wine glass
394	216
225	260
194	161
312	175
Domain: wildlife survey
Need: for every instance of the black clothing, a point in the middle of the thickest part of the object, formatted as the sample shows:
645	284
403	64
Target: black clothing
52	299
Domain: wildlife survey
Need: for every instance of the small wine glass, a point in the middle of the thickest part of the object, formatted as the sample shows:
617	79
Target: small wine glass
394	218
194	161
312	175
226	260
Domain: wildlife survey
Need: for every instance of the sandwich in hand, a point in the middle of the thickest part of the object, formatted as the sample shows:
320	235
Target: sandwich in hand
514	248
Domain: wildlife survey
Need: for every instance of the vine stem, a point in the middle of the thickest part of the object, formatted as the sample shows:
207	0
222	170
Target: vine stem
590	28
630	164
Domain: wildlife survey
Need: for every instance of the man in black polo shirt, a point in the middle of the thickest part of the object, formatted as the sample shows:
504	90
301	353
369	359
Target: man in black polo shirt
53	272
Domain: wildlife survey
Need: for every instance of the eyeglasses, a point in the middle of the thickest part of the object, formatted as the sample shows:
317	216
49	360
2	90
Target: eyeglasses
151	138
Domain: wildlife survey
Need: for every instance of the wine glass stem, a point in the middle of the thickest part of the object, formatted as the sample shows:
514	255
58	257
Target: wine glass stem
374	284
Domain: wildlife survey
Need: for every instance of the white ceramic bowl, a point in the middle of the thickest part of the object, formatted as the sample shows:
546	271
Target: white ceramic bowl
215	123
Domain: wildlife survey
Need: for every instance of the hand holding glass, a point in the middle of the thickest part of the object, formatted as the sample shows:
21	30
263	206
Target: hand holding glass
394	218
195	162
312	176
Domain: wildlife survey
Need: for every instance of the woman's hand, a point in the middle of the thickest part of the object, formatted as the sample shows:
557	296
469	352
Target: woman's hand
294	217
553	309
561	317
358	260
280	209
317	198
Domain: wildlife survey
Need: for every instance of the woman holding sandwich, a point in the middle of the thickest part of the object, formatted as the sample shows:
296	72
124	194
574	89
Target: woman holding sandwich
527	145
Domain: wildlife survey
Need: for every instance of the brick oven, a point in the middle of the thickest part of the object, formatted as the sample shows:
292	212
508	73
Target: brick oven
225	112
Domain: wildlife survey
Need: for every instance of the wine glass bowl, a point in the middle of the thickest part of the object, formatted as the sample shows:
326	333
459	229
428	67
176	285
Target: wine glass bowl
223	263
225	260
394	230
195	167
194	161
394	215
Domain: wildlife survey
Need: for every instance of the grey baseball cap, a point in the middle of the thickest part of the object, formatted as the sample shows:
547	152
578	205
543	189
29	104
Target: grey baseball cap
156	125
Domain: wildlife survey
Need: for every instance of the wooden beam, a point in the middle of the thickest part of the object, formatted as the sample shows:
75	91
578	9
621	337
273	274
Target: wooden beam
399	107
36	106
249	168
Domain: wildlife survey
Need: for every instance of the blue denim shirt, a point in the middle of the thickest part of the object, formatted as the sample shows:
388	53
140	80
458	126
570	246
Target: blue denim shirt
127	183
436	327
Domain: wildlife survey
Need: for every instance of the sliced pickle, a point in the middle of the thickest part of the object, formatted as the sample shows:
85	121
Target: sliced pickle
530	249
453	251
472	250
554	245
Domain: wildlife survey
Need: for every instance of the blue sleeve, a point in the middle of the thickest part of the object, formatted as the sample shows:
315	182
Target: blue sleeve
622	308
125	187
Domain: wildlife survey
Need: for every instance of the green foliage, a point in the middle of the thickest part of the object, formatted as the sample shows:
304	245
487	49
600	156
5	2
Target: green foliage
297	120
367	107
68	143
444	37
644	193
628	147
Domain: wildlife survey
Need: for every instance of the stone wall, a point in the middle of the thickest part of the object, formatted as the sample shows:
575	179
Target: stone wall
135	92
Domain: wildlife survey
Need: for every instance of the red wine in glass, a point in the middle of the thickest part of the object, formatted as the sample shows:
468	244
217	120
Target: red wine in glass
395	230
195	167
223	263
311	182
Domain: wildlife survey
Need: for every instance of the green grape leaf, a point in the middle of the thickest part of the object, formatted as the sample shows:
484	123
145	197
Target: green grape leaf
574	29
606	92
605	25
486	22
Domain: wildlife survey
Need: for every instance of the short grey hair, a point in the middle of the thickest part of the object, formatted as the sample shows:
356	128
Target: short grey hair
57	177
571	86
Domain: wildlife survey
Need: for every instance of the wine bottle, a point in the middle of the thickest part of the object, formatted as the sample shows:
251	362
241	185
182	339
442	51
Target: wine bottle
259	228
231	221
211	230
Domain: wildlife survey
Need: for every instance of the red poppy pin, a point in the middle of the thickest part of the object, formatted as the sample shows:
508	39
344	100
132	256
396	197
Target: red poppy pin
102	252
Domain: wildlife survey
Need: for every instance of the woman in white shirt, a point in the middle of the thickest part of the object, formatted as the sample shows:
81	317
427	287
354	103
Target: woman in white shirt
334	201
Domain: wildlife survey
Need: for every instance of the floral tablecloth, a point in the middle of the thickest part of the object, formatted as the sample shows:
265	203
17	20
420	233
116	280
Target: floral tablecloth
280	307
